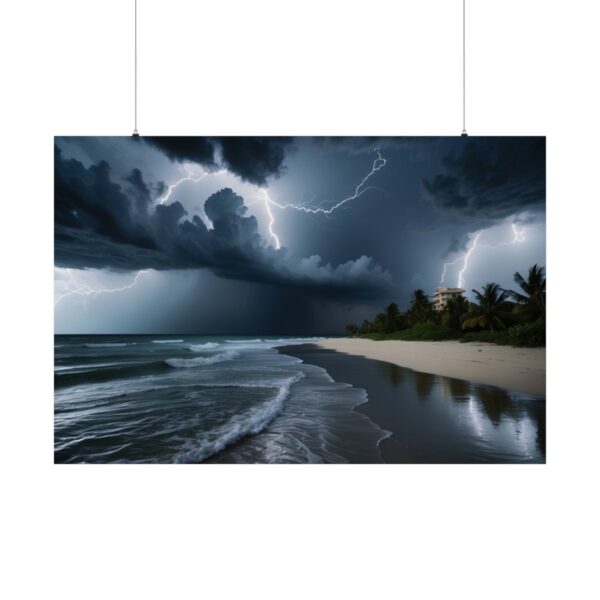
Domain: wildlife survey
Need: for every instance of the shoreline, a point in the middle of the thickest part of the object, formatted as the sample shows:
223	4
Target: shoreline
515	369
433	419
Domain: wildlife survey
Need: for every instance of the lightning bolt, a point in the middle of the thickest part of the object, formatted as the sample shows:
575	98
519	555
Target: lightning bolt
518	237
173	186
360	189
449	264
470	250
268	203
86	290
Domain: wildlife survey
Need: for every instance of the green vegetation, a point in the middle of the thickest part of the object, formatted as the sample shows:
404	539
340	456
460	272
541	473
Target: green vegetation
507	317
426	332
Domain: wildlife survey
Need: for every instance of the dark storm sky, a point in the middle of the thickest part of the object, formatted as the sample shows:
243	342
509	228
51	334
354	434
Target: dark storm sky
207	246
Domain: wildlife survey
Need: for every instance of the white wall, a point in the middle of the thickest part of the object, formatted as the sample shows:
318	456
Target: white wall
298	67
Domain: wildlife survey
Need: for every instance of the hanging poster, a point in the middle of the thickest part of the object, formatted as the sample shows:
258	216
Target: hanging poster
299	300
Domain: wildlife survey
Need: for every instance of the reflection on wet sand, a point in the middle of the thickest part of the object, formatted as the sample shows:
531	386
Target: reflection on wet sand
436	419
494	404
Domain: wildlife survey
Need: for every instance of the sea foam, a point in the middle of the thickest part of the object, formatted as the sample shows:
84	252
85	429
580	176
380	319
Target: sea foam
200	347
199	361
110	345
239	426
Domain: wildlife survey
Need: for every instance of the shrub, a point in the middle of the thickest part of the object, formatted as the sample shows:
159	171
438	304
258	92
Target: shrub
529	335
430	332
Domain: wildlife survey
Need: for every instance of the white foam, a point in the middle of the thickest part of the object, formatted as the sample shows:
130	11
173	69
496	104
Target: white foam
200	347
167	341
110	345
256	341
239	426
199	361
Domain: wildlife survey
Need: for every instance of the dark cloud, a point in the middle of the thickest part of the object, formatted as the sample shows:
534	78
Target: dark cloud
491	178
192	149
253	159
99	224
457	245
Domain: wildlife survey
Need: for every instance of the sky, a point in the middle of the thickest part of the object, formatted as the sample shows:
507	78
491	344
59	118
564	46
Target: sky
284	236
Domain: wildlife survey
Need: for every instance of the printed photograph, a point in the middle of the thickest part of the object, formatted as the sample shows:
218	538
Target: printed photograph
299	300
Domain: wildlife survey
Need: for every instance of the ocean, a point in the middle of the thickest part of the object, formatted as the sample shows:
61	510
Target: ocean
187	399
194	399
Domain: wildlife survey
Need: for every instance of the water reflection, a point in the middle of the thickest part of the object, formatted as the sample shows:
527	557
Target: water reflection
435	419
525	414
423	382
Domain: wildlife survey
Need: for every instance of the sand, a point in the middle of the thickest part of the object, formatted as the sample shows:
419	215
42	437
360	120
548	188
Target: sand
516	369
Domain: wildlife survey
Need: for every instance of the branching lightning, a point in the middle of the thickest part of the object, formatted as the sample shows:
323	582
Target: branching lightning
173	186
268	202
470	250
86	290
360	189
518	237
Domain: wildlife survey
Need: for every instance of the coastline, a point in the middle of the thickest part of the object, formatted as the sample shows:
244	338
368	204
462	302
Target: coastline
433	419
514	369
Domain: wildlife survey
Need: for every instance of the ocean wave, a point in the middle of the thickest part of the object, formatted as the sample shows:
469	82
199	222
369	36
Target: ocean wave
199	361
200	347
239	426
167	341
256	341
110	345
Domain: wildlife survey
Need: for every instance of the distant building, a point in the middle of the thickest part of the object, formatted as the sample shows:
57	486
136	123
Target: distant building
443	294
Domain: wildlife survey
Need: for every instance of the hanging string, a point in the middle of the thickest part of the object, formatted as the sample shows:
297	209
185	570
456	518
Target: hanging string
464	71
135	70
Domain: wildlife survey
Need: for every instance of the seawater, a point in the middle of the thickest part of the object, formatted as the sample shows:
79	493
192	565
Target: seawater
190	399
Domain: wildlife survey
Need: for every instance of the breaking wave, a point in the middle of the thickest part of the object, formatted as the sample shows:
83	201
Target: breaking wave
167	341
239	426
199	361
200	347
110	345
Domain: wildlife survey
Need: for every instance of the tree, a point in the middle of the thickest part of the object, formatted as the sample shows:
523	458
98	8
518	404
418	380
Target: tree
392	317
533	299
455	312
492	311
366	327
379	323
352	330
420	308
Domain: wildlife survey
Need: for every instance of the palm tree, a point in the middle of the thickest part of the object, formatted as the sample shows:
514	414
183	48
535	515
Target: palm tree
366	327
420	307
379	323
352	330
392	316
456	309
534	287
493	310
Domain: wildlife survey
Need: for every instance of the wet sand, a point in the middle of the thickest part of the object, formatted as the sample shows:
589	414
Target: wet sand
435	419
516	369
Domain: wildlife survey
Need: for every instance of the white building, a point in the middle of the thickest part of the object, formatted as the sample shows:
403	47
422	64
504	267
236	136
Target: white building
443	294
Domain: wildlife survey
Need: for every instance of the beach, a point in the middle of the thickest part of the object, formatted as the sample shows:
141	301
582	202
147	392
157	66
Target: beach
434	418
245	400
515	369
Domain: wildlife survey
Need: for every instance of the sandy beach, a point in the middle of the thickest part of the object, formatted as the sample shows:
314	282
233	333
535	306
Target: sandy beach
516	369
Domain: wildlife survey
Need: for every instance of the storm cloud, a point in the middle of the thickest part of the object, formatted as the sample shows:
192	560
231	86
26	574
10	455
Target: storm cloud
101	224
490	178
253	159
